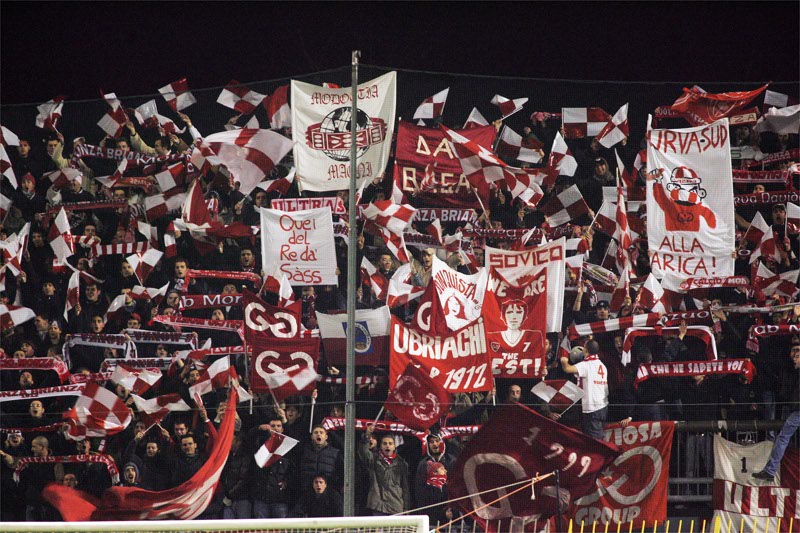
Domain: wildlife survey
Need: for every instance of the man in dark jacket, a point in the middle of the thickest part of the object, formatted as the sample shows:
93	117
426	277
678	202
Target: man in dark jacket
319	457
435	447
188	461
321	502
269	487
235	479
389	490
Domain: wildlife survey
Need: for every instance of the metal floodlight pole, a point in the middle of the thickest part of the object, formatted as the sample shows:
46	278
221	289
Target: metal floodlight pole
350	385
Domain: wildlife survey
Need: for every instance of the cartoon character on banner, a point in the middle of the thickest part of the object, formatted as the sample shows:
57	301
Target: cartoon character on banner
684	207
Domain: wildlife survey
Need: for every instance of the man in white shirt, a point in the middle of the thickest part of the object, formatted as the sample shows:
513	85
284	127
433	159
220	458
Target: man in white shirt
593	379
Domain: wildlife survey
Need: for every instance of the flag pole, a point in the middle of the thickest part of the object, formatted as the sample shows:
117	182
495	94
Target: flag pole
350	407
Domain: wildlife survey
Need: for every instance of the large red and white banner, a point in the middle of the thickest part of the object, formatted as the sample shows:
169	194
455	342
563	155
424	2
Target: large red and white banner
279	360
516	322
300	245
690	203
767	506
634	487
264	321
372	336
321	131
452	300
521	266
418	147
457	362
515	445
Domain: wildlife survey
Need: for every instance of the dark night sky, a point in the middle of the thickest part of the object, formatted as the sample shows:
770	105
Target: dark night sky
75	48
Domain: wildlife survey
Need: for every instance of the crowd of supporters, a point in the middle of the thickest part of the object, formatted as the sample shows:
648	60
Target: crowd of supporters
394	473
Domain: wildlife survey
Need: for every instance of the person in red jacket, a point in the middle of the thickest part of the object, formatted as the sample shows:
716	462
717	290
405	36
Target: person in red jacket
683	208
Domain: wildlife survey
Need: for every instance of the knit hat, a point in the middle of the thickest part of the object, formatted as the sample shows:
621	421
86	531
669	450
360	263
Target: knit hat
131	465
28	176
433	467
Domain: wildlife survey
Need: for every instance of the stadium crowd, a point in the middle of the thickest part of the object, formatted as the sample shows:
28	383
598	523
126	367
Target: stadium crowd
394	472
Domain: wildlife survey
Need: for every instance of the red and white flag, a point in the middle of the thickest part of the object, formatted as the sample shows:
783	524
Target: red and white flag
434	229
621	290
14	315
177	95
216	376
63	177
508	107
50	114
417	400
279	185
389	221
475	120
761	233
401	291
73	293
776	99
7	170
203	158
278	283
566	206
792	219
98	412
238	97
290	382
143	264
558	393
614	324
249	155
561	162
158	205
194	210
148	293
625	176
374	279
60	237
616	130
651	296
783	284
784	121
581	122
276	446
148	116
136	380
8	137
701	108
14	248
513	146
113	122
171	177
111	181
153	411
278	110
432	107
113	311
622	233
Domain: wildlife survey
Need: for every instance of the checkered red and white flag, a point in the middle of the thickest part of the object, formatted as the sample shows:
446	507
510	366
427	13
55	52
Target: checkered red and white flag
216	376
113	311
73	293
580	122
616	130
8	137
621	290
171	177
372	278
194	210
153	411
14	315
149	293
98	412
143	264
278	110
561	162
567	205
279	185
651	296
276	446
5	203
14	248
624	175
761	233
158	205
475	120
63	177
291	382
432	107
248	154
508	107
783	284
60	236
7	170
50	114
434	229
238	97
389	220
177	95
400	290
148	116
110	181
622	234
792	219
558	393
136	380
113	122
513	146
278	283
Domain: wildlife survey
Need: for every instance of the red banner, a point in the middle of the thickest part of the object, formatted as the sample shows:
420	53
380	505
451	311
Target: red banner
263	321
457	362
208	301
516	317
696	368
766	198
280	355
634	487
418	147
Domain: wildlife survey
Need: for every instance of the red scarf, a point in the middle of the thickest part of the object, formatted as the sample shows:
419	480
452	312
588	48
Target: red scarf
388	459
437	481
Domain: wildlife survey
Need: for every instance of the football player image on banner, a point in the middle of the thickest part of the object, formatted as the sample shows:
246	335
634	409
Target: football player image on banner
417	147
516	319
321	118
517	267
457	362
690	226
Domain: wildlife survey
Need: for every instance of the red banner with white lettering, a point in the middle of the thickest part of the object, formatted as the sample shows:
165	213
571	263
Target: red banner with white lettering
452	299
634	487
457	362
690	226
264	321
277	361
516	319
418	147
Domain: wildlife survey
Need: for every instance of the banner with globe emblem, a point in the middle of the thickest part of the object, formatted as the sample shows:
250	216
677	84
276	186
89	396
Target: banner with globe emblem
321	119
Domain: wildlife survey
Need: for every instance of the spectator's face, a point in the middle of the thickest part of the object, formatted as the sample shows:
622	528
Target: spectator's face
161	351
70	480
151	449
307	292
602	313
38	449
188	446
19	354
26	380
37	239
41	323
514	393
387	445
133	323
130	475
54	330
229	288
159	147
600	169
319	485
92	294
795	354
36	409
180	429
14	440
97	324
386	262
217	315
434	444
24	148
126	270
319	436
90	231
48	289
292	414
123	145
180	269
83	447
246	258
118	194
373	442
172	299
276	426
75	186
51	147
427	260
759	188
192	377
778	216
27	185
261	199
